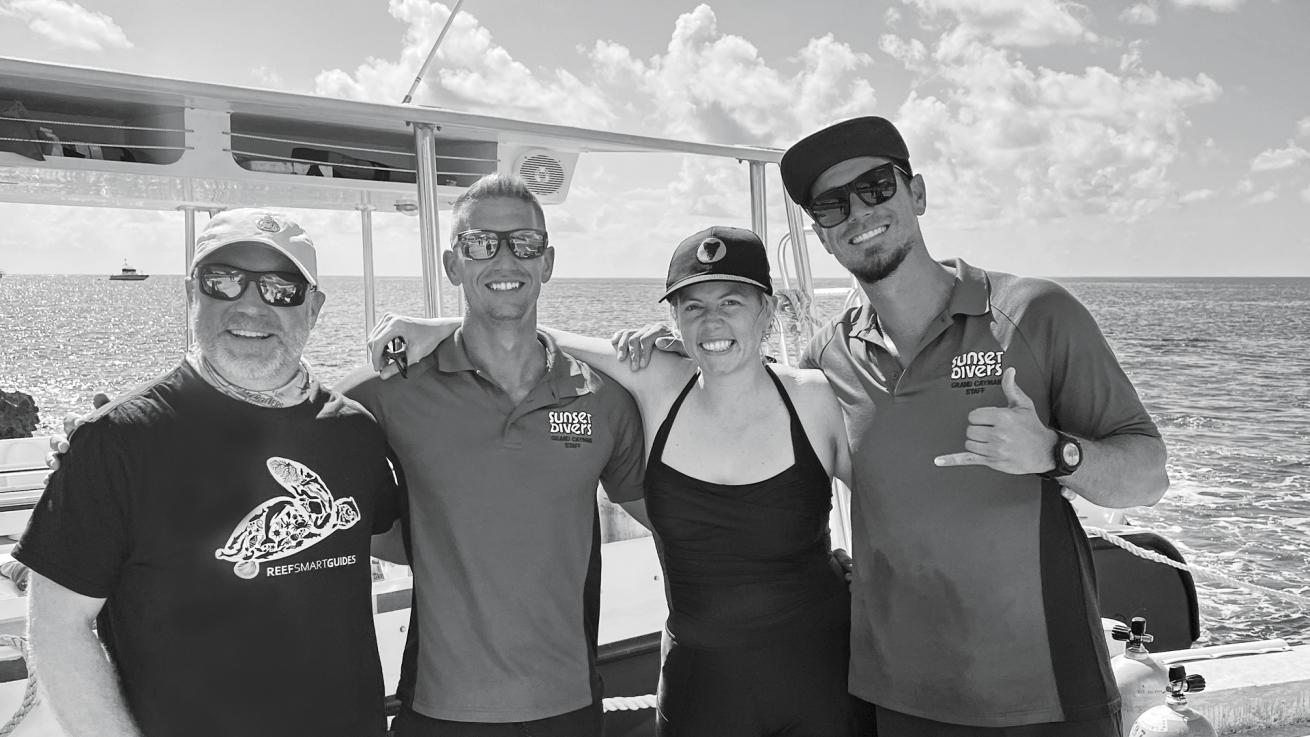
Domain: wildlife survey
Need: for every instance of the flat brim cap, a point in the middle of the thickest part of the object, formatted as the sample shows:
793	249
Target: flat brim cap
814	154
719	253
265	227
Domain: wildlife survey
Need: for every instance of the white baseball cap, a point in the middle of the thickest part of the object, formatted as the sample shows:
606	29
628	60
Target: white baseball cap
253	225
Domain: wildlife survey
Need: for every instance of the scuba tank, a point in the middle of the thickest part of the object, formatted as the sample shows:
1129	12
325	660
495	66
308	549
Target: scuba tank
1140	677
1174	718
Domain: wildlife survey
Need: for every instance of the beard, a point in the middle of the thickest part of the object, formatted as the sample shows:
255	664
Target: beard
881	265
258	365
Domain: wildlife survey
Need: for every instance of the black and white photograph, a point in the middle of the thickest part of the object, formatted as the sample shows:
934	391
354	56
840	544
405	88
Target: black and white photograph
604	368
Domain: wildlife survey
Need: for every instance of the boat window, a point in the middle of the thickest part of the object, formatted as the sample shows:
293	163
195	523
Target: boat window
41	125
283	146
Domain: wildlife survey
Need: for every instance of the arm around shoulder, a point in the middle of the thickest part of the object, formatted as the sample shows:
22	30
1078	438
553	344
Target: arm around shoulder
79	681
641	380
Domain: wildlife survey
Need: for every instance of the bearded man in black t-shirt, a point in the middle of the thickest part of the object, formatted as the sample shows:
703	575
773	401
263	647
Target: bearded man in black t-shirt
214	525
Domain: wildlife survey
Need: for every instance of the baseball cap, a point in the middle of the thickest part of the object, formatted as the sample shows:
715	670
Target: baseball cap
719	253
814	154
253	225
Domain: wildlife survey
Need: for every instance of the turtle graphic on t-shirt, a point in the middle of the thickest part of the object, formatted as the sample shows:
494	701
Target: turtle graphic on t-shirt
286	525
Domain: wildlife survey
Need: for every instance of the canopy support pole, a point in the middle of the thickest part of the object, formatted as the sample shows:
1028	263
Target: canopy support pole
425	147
370	289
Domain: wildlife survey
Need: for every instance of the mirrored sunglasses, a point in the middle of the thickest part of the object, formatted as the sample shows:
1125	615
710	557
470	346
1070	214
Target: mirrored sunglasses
228	283
830	208
482	245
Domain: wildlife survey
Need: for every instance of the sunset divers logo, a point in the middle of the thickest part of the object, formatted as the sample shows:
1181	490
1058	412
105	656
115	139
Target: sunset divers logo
975	370
977	365
570	423
286	525
571	428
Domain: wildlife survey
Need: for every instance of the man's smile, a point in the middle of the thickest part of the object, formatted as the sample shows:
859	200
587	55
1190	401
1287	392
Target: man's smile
868	235
248	334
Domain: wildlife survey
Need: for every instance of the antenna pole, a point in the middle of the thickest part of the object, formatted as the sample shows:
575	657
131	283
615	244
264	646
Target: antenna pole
409	96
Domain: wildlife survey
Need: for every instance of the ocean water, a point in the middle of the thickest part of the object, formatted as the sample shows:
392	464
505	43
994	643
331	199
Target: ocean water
1222	364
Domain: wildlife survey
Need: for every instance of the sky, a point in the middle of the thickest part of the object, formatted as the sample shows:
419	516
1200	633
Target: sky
1107	138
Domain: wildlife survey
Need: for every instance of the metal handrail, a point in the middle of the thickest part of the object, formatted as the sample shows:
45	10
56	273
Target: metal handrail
101	125
344	147
319	162
61	142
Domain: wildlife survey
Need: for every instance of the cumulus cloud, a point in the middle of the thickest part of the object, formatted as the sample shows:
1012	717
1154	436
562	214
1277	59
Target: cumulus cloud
473	74
68	24
1303	127
268	77
1001	141
1197	195
1282	158
1141	14
1011	22
1222	6
715	189
1305	194
911	53
712	86
1268	195
1131	60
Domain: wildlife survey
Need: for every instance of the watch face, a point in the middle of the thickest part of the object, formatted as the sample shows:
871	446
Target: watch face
1070	453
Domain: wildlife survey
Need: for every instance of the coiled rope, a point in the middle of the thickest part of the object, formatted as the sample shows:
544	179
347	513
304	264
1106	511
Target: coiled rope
29	693
624	703
1200	572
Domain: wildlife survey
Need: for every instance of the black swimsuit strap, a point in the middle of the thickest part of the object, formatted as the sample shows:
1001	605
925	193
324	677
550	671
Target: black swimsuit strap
802	449
661	435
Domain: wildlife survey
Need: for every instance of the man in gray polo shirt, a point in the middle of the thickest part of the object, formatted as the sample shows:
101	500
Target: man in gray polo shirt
970	398
503	439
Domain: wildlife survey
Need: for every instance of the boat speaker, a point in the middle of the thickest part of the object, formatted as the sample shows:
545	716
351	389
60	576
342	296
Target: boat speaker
546	173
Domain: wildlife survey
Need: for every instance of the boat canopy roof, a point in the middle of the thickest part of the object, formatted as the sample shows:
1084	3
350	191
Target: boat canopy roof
72	135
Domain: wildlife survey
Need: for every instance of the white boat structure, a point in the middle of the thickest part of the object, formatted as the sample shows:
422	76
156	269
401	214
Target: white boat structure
193	147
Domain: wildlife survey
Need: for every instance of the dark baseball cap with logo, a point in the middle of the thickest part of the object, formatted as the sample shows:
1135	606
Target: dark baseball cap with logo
814	154
719	253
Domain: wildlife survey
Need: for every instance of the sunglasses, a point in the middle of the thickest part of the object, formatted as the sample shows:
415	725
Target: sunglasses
830	208
483	245
228	283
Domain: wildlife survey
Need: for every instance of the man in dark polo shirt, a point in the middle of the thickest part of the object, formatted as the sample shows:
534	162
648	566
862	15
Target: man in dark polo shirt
971	397
503	439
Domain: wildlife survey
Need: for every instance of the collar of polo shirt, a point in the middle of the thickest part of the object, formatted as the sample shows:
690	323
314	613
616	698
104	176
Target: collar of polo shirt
971	295
566	375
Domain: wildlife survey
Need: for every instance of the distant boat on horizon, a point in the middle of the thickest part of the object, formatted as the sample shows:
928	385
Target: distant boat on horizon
128	274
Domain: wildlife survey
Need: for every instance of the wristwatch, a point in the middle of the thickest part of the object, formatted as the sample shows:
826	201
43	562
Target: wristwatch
1068	455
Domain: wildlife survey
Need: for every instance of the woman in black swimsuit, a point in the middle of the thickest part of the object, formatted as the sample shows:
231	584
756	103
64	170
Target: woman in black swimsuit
738	491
